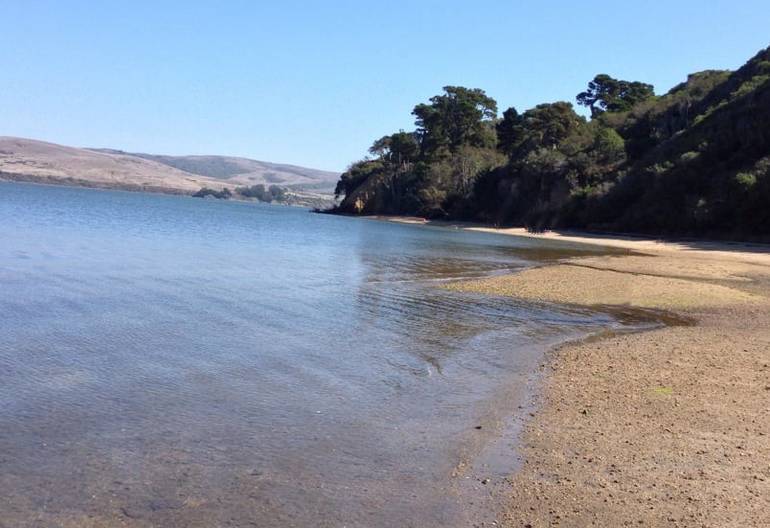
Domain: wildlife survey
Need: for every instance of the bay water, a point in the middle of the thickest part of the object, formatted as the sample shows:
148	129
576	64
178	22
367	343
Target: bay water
171	361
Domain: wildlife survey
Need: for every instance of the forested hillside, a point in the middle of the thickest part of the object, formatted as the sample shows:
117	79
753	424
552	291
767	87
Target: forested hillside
693	161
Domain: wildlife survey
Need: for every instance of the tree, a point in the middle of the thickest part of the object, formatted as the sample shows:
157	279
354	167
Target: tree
224	194
356	174
608	94
510	132
255	191
398	149
609	145
277	193
460	116
548	124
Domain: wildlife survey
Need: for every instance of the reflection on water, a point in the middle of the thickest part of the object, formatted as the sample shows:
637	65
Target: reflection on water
167	361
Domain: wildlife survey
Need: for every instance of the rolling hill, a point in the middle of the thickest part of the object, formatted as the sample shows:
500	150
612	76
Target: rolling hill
243	171
42	162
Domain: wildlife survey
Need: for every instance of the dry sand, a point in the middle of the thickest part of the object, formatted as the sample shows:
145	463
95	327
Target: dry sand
669	427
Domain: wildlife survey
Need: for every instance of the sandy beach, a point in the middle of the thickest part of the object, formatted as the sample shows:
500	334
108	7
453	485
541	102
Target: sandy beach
668	427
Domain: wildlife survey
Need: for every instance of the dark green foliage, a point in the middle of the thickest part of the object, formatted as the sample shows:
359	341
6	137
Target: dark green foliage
694	161
460	116
224	194
548	125
357	174
399	149
606	94
273	193
255	191
431	171
277	193
710	177
510	132
609	145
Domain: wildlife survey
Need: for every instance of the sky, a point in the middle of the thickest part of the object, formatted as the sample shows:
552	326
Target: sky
313	83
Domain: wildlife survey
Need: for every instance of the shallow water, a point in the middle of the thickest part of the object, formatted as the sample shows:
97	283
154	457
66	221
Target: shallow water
169	361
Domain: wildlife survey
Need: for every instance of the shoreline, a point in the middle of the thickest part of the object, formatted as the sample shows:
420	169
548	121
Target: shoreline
138	189
629	241
659	427
664	426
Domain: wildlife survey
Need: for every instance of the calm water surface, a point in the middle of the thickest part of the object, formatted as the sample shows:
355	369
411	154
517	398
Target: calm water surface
169	361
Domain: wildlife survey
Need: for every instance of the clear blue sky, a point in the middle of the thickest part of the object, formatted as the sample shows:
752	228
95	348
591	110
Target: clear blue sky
314	82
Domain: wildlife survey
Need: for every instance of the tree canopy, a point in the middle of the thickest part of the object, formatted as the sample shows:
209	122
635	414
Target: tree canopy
459	116
694	160
607	94
400	148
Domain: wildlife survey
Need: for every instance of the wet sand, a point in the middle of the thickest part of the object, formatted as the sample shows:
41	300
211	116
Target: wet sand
668	427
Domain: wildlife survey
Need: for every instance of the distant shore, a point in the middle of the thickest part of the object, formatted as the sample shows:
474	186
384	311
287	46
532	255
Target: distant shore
668	427
298	198
10	177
